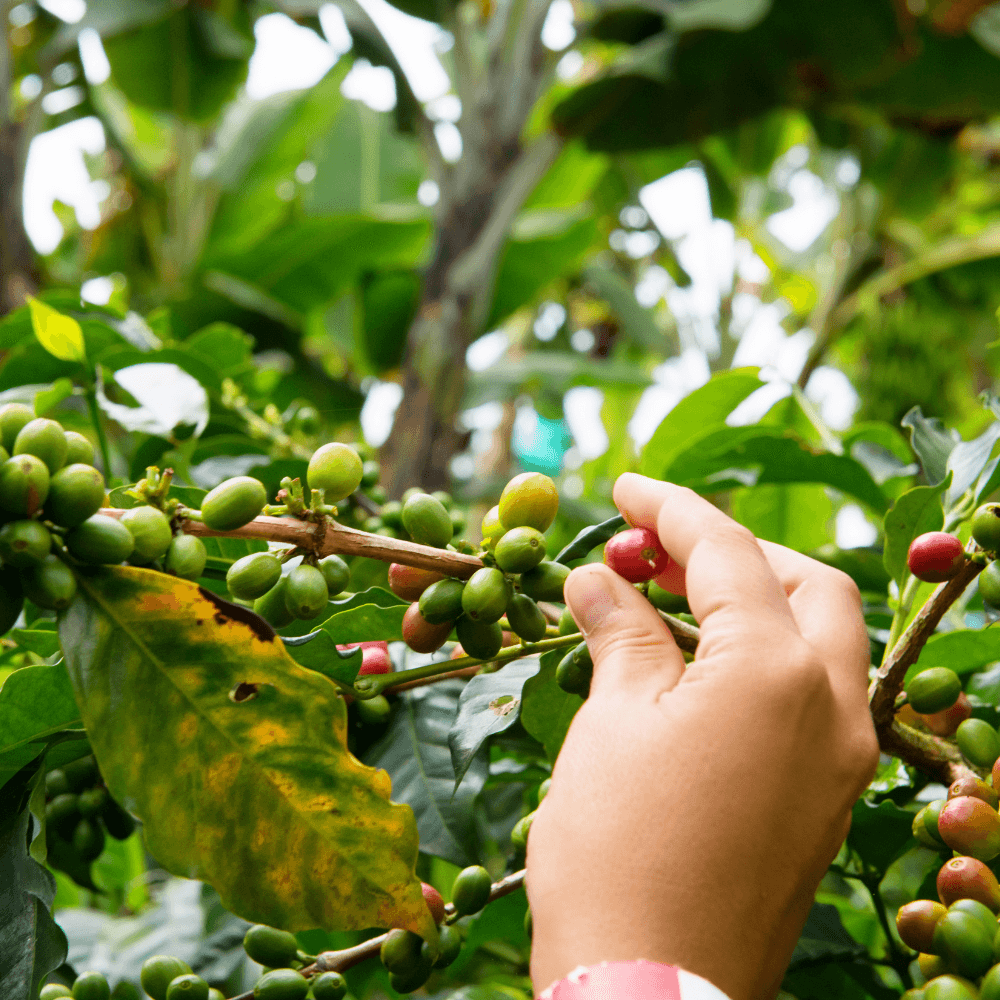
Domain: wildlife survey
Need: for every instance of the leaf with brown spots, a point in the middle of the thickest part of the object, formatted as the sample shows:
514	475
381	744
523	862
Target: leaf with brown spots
236	758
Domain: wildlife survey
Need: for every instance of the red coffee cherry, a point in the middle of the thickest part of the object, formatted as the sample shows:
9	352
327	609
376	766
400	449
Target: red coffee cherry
434	901
935	556
967	878
636	555
374	660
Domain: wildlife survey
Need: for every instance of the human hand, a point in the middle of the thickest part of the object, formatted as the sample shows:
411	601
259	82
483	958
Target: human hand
693	812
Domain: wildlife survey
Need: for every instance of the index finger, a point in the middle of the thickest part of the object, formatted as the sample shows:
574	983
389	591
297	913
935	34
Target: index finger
731	587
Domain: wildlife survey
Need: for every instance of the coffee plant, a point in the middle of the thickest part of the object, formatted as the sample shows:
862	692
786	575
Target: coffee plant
340	713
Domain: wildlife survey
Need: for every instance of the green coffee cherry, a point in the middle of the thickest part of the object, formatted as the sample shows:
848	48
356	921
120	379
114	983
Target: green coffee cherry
373	524
233	503
961	940
979	742
91	986
150	530
980	911
412	491
53	991
117	821
88	839
269	946
392	514
306	593
485	596
186	557
100	540
483	640
82	772
75	493
458	522
442	601
49	584
949	987
520	550
370	472
989	988
24	543
519	835
526	618
92	801
400	951
307	420
443	498
529	928
336	469
45	439
272	608
253	576
933	690
336	573
13	417
56	783
575	671
24	486
545	581
427	521
213	994
329	986
989	585
530	499
187	987
543	789
986	526
492	529
664	600
919	830
158	972
471	891
407	984
374	711
449	945
567	624
931	812
281	984
78	449
62	814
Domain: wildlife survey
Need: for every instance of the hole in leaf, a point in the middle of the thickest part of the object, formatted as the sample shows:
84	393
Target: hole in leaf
244	691
504	705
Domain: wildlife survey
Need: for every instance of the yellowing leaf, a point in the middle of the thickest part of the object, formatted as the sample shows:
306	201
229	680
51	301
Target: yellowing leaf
60	335
236	758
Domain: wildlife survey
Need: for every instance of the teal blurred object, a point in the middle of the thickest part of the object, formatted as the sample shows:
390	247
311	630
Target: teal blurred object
540	446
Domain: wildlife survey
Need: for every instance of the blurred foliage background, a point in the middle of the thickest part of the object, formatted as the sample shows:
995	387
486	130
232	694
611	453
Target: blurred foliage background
523	262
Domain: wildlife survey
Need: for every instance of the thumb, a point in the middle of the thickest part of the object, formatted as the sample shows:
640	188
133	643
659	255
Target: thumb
627	639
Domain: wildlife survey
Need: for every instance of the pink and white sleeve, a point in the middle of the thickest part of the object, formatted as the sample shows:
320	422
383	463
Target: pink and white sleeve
638	980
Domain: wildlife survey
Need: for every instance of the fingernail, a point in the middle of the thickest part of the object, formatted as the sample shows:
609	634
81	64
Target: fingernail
589	599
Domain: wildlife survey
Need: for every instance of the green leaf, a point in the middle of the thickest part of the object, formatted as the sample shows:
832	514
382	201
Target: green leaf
60	335
637	322
42	642
915	512
35	703
731	457
879	833
973	465
547	710
824	937
319	652
932	443
415	752
588	539
364	623
489	704
31	943
965	651
796	515
694	415
864	566
164	673
501	920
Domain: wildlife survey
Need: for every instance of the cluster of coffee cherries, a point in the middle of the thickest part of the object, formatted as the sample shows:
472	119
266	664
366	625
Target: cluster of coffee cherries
291	974
516	574
50	495
78	813
957	938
